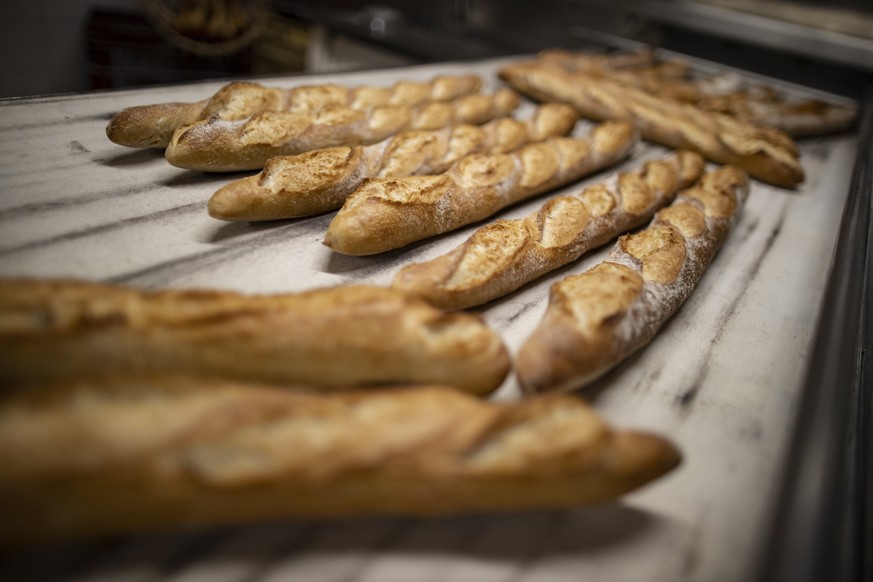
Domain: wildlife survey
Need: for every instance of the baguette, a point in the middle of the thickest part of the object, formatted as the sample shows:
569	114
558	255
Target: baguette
798	118
219	145
97	458
502	256
342	336
147	126
767	154
722	93
596	319
320	181
606	62
386	214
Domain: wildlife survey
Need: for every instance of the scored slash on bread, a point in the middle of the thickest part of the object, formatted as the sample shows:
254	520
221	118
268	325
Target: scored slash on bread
766	153
503	256
127	454
319	181
596	319
386	214
146	126
343	336
220	145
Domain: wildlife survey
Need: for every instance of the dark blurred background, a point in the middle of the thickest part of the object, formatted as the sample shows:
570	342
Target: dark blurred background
53	46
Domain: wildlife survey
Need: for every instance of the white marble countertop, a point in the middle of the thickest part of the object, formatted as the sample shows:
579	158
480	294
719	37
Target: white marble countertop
722	379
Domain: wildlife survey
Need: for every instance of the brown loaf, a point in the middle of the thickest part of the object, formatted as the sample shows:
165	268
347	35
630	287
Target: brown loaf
153	125
765	153
319	181
596	319
643	59
386	214
219	145
504	255
798	118
342	336
125	455
721	93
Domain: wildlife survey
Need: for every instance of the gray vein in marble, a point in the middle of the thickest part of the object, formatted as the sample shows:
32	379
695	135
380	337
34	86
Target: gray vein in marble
167	271
104	228
26	211
686	396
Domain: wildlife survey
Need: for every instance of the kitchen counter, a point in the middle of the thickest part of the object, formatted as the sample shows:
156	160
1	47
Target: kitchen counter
723	379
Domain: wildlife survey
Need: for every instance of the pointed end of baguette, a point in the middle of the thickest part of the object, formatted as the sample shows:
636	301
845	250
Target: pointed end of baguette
638	458
555	358
238	201
135	127
151	126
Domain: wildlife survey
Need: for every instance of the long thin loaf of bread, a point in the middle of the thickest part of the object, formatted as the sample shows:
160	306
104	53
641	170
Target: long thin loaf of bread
759	105
342	336
386	214
798	117
219	145
502	256
320	181
125	455
643	59
765	153
147	126
596	319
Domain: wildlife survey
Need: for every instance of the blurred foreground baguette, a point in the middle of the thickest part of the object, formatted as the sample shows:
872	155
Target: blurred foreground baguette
319	181
502	256
386	214
765	153
596	319
146	126
220	145
126	455
341	336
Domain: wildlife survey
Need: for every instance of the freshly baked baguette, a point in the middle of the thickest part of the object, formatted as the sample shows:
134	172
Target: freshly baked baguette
145	453
386	214
604	62
320	181
342	336
502	256
596	319
153	125
220	145
767	154
798	118
759	105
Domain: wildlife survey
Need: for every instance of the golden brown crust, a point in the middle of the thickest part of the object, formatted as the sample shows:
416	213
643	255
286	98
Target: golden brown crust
766	154
798	118
153	125
319	181
600	62
762	106
596	319
502	256
127	454
219	145
387	214
343	336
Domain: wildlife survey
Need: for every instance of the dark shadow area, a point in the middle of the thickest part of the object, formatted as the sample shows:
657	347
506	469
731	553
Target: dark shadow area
130	157
226	231
193	177
516	538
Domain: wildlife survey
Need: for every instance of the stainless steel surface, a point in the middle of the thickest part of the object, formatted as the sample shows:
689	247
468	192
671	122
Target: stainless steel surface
723	379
